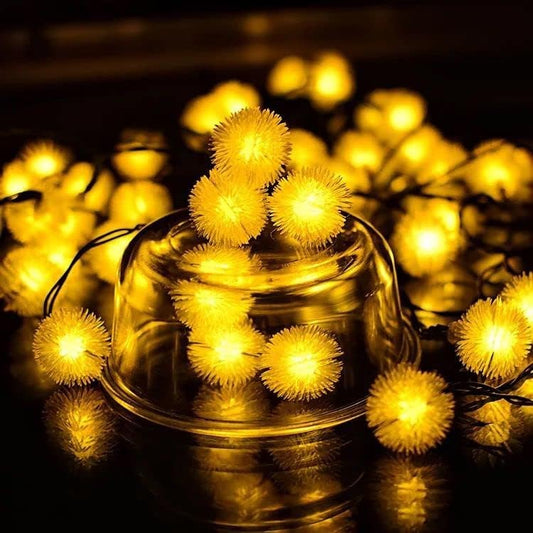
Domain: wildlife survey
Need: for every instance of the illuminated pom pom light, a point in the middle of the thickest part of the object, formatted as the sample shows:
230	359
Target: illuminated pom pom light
45	158
288	77
519	291
139	202
225	355
301	363
221	265
424	243
81	424
16	178
409	410
441	160
71	345
331	81
252	145
417	149
201	306
306	149
201	114
493	338
307	205
225	212
361	150
355	179
233	96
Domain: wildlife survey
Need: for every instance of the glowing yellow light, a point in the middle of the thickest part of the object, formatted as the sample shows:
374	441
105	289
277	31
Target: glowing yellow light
225	355
139	202
307	149
71	346
519	291
496	426
331	80
361	150
236	404
355	179
226	213
78	178
16	178
201	306
81	423
311	272
424	243
45	158
417	149
202	114
104	260
288	76
409	410
526	390
442	159
307	205
252	145
301	362
233	96
493	338
220	265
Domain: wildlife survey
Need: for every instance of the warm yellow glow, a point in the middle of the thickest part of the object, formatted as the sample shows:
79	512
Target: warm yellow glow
288	77
233	96
45	158
361	150
227	355
139	202
519	291
71	346
251	145
301	362
424	242
227	213
331	80
81	423
496	425
307	205
444	157
16	178
409	410
493	338
307	149
417	149
202	306
355	179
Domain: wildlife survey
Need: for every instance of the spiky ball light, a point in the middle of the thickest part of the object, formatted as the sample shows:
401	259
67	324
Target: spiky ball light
519	291
251	145
199	306
225	212
227	355
360	149
71	346
307	205
493	338
45	158
301	363
307	149
409	410
356	179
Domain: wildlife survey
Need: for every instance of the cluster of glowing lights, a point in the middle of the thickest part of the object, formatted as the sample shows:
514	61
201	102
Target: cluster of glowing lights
409	410
519	292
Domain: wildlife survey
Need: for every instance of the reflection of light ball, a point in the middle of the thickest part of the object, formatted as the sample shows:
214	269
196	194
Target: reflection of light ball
408	409
493	338
139	202
71	346
307	205
361	150
301	362
44	158
288	76
519	291
307	149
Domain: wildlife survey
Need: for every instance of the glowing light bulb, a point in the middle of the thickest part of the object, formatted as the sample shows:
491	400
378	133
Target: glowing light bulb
71	345
307	205
16	178
139	202
199	306
251	145
355	179
361	150
225	355
307	149
226	213
493	338
409	410
444	157
202	114
233	96
288	77
301	362
45	158
519	291
417	149
81	424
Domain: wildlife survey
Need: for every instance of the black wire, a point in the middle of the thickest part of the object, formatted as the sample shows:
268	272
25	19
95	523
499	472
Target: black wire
20	197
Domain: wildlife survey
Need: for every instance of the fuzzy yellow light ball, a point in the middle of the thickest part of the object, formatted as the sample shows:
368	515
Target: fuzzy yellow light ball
519	291
227	355
45	158
355	179
417	149
361	150
308	204
493	338
202	114
17	178
71	346
307	149
441	160
301	363
252	146
288	77
233	96
227	213
409	410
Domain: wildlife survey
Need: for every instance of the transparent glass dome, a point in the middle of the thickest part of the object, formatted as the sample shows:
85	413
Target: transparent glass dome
347	291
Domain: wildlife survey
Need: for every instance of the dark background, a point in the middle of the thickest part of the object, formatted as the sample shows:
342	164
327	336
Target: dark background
82	71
